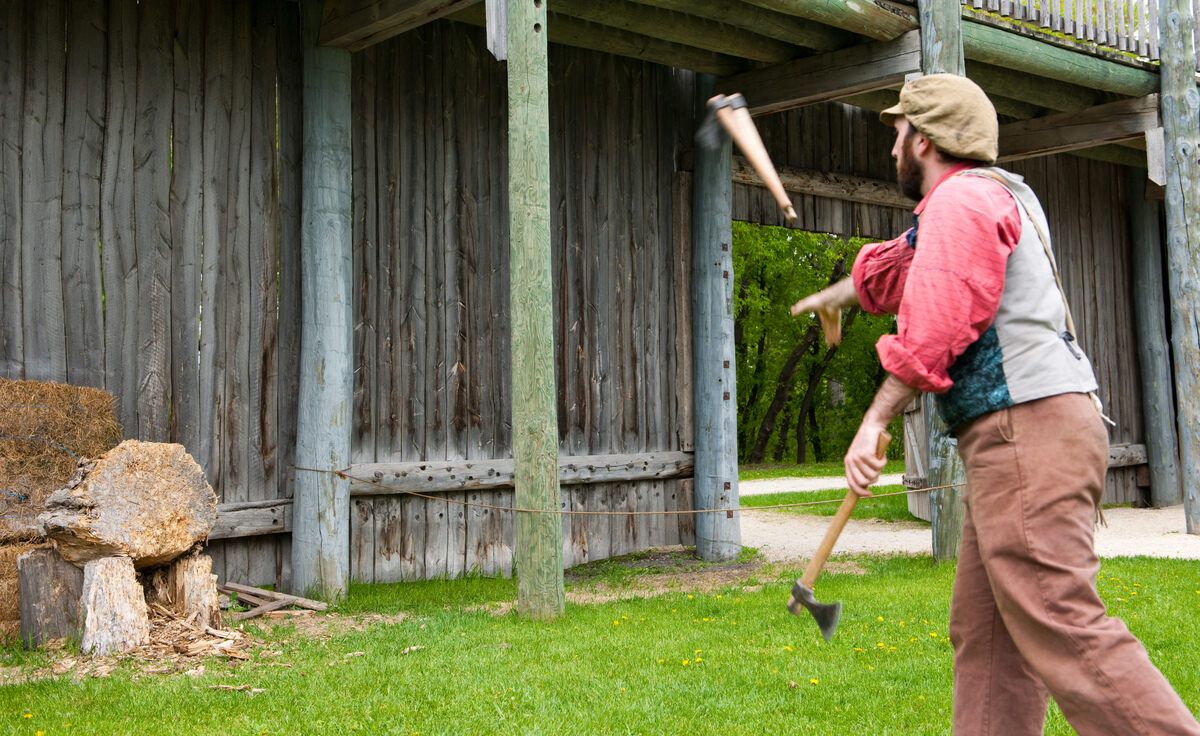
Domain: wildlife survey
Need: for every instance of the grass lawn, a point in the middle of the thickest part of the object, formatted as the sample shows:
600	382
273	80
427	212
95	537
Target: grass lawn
888	508
716	653
808	470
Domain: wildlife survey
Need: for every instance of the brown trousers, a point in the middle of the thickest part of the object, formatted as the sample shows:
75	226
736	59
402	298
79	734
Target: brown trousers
1026	619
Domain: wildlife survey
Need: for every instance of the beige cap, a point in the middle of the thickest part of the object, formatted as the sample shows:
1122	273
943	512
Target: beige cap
953	113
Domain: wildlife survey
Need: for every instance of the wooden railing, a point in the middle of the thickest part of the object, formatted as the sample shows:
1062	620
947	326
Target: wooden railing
1122	25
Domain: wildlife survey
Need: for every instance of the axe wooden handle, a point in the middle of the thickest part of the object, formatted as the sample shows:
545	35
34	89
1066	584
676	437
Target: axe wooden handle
741	128
839	522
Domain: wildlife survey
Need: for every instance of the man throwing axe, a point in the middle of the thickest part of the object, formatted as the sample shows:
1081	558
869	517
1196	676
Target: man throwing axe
984	325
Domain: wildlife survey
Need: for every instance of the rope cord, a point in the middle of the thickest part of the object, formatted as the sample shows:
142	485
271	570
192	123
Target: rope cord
664	512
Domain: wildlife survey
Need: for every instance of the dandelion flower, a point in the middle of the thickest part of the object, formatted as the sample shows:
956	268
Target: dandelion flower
879	619
686	662
27	715
814	681
933	635
789	648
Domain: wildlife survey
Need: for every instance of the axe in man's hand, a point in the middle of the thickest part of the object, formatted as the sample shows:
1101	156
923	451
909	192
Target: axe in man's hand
727	115
827	615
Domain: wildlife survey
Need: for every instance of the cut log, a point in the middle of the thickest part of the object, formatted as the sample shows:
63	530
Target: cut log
50	588
114	611
185	587
147	501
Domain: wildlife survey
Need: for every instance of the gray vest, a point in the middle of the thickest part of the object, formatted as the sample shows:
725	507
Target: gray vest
1028	352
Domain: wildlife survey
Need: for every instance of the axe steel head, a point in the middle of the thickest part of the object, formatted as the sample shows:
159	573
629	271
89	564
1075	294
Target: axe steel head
711	134
827	615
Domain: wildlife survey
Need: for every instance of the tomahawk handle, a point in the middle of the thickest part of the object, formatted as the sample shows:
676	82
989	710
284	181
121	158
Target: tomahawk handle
817	562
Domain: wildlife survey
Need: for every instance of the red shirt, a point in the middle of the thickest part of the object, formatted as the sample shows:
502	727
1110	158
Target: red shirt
946	290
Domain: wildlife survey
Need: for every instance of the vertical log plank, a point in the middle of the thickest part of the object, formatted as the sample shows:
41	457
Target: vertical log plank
12	105
718	536
83	142
1180	108
291	114
320	516
535	445
43	327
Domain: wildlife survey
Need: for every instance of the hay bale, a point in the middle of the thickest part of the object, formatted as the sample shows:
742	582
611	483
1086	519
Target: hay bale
45	428
10	600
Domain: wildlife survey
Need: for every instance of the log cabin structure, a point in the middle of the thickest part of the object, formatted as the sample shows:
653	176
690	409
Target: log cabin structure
341	235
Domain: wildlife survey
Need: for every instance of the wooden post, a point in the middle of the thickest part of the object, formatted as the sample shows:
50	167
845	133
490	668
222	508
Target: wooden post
1180	106
942	51
1158	405
718	536
321	512
539	557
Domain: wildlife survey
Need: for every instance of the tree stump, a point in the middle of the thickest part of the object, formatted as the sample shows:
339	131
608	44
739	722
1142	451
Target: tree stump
114	607
187	586
147	501
50	589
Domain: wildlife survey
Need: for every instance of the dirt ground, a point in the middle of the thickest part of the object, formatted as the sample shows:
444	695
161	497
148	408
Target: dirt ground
783	536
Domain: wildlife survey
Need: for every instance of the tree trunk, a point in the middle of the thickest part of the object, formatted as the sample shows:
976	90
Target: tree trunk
783	390
114	607
781	445
818	453
814	376
50	588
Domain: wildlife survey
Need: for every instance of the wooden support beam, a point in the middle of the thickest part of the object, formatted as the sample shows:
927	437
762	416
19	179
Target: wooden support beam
356	24
581	34
1125	456
786	28
253	518
321	517
462	475
539	545
827	76
681	28
1027	55
1069	131
844	187
881	20
942	51
1040	91
1154	355
1181	130
714	387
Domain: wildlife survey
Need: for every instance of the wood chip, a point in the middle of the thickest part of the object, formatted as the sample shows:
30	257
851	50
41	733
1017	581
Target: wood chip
238	688
410	650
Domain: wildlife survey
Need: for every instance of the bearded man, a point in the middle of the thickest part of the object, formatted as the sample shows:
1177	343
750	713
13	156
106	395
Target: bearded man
983	324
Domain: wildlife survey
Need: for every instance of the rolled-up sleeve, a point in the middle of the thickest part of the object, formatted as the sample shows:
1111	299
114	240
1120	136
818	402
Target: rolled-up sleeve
879	273
955	280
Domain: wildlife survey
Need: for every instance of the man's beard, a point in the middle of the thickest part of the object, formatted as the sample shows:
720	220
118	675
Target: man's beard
909	173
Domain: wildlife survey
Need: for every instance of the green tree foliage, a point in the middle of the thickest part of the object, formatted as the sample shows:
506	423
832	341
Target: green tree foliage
779	357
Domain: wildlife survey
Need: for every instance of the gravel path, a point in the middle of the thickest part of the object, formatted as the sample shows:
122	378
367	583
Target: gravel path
782	536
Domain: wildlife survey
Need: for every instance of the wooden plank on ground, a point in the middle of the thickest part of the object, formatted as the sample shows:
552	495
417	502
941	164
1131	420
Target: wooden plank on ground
827	76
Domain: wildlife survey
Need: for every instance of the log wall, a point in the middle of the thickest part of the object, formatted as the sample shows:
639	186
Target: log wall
149	215
1088	222
431	320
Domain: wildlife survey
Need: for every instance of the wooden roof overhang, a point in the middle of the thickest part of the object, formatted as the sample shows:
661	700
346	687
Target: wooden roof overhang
1053	94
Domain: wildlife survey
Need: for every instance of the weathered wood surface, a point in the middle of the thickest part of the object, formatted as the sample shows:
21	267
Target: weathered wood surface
764	22
155	127
188	588
357	24
535	455
49	589
112	607
941	36
253	518
1180	111
321	512
1069	131
842	187
423	477
1154	365
827	76
714	389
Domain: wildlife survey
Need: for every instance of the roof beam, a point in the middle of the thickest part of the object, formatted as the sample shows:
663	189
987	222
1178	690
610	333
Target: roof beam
1070	131
845	187
677	27
828	76
788	28
357	24
570	31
